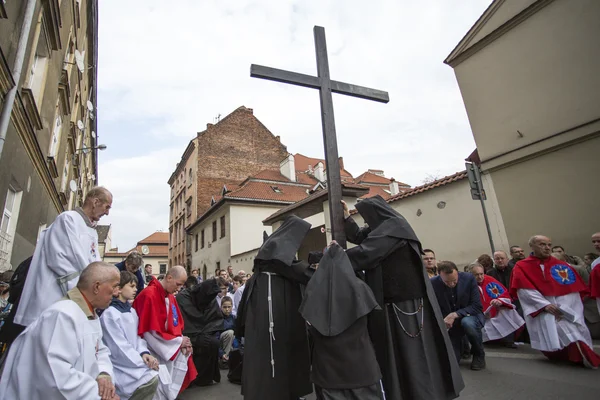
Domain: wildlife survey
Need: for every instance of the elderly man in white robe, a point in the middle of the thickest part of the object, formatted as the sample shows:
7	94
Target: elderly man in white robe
550	292
63	250
61	354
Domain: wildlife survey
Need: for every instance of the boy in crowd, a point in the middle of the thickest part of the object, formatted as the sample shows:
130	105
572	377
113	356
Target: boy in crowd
227	340
135	368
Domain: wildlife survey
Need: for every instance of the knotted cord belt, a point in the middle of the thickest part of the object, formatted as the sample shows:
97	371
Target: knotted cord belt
271	322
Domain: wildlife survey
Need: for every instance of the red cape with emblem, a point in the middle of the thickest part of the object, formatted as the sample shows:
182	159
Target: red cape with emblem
595	280
152	311
558	278
490	289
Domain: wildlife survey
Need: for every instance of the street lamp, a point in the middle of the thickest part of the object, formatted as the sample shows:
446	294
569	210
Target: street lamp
86	150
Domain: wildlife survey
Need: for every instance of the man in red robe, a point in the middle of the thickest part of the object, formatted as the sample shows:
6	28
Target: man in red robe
501	316
595	273
550	293
161	325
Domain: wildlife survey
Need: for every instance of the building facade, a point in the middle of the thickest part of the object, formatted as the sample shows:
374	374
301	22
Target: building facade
528	75
154	250
48	158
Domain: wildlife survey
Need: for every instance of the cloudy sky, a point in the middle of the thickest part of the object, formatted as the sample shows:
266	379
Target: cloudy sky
168	68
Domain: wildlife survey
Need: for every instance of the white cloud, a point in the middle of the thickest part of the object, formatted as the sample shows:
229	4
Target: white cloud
180	63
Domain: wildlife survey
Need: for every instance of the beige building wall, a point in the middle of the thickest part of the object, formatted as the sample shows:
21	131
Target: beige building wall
247	228
217	251
540	78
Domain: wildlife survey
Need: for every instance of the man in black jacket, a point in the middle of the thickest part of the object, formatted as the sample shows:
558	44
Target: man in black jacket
458	296
502	272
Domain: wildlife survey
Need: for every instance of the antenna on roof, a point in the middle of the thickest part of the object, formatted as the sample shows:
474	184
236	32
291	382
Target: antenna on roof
218	118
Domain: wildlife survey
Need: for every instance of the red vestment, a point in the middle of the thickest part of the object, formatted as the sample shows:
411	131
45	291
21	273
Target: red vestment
595	280
490	289
151	308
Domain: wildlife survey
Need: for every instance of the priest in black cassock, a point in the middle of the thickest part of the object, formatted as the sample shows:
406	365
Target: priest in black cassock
410	338
335	306
276	358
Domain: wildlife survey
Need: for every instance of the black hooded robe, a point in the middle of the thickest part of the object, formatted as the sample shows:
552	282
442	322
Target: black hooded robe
276	273
336	304
202	320
414	368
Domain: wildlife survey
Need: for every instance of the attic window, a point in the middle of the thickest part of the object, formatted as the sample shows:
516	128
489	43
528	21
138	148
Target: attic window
224	191
276	189
212	201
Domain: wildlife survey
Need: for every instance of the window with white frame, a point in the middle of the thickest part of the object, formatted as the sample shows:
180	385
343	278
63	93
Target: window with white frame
9	206
36	78
65	177
55	139
8	225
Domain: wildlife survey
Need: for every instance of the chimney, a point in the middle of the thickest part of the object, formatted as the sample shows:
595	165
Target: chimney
287	167
319	173
341	162
394	189
209	125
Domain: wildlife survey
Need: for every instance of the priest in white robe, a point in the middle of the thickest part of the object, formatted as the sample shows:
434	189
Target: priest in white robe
550	292
136	370
501	316
61	354
63	250
161	325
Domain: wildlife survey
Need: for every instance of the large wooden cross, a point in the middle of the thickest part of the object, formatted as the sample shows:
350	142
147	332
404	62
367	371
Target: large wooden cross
326	86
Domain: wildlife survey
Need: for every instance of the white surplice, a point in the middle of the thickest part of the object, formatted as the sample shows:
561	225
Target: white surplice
169	386
121	338
545	332
237	296
59	356
506	321
63	250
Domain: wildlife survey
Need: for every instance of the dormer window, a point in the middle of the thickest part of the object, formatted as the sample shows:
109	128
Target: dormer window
276	189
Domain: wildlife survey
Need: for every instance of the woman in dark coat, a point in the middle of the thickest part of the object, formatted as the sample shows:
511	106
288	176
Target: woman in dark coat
202	321
410	338
276	358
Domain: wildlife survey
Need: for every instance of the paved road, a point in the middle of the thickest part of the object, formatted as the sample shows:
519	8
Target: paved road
510	374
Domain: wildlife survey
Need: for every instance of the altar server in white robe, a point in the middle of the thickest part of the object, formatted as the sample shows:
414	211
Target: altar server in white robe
550	292
63	250
136	370
501	316
61	354
161	325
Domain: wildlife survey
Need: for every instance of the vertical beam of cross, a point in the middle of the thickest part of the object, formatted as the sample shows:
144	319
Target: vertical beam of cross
326	86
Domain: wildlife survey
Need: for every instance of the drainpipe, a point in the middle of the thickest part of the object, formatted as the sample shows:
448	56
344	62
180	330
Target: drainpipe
9	100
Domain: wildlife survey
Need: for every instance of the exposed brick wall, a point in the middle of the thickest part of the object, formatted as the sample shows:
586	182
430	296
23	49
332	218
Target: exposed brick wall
228	152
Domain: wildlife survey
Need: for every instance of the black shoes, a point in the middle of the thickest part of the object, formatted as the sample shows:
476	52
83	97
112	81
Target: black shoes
478	363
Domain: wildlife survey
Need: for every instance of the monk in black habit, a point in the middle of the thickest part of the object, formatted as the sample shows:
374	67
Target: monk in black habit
410	338
276	358
335	306
203	321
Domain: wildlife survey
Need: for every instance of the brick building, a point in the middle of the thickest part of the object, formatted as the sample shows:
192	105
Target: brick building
223	155
48	161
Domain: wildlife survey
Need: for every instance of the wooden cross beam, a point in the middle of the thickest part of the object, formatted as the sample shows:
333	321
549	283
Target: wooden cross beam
326	86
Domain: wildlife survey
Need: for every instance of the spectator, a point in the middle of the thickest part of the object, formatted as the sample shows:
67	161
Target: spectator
237	295
572	260
459	300
135	368
501	271
133	263
202	320
517	254
227	340
148	273
196	275
486	262
430	262
63	250
501	316
5	306
61	354
588	259
230	271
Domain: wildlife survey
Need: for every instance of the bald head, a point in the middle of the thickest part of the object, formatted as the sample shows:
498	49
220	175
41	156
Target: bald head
98	202
174	279
541	246
99	192
99	282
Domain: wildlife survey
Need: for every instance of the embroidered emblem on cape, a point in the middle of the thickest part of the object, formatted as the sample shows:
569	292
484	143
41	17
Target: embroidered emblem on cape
175	316
562	274
494	290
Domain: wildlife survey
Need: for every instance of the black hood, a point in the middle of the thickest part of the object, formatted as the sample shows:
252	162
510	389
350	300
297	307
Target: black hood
375	210
202	294
283	244
335	298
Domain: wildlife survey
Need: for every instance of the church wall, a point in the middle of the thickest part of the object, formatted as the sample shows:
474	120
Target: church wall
536	79
555	194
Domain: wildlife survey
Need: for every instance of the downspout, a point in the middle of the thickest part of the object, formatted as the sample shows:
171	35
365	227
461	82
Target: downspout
95	86
9	100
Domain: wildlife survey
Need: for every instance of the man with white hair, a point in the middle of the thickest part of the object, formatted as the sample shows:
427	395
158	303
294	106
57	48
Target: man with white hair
61	354
161	325
63	250
550	293
501	316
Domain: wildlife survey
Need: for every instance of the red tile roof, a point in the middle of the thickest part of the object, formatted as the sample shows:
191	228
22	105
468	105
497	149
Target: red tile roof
377	190
271	175
432	185
269	192
302	162
369	177
156	238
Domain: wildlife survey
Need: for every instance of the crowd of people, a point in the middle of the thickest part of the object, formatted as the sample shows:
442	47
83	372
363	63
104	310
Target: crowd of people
381	320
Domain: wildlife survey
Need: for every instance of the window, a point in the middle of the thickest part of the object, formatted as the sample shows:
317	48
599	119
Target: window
202	239
39	65
222	226
55	140
65	178
9	206
163	268
196	242
190	180
8	225
214	231
219	264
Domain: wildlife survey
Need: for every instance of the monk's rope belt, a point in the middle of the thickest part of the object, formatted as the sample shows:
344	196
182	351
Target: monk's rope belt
420	309
271	322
